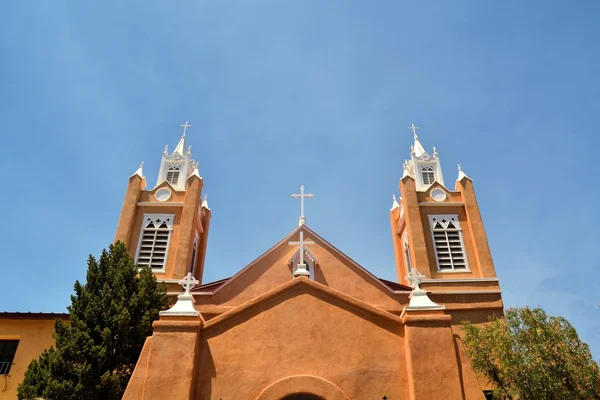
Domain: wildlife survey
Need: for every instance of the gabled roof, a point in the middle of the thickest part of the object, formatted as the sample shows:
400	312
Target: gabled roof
306	285
388	286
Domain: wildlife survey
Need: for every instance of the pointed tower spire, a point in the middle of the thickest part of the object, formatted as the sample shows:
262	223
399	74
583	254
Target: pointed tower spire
140	171
418	150
425	169
180	149
461	174
394	202
176	167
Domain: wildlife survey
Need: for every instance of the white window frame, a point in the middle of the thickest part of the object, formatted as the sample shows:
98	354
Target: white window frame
407	257
168	218
433	219
427	169
176	168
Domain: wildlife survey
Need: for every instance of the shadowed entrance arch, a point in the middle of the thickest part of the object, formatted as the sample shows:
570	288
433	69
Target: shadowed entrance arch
295	387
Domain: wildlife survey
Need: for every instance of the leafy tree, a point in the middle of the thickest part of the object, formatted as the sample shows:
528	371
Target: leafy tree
530	356
110	318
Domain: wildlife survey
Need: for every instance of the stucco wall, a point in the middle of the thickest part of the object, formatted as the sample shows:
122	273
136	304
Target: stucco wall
302	333
34	336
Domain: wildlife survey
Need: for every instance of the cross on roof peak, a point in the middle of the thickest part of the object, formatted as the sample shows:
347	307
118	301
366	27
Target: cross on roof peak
185	126
302	196
414	128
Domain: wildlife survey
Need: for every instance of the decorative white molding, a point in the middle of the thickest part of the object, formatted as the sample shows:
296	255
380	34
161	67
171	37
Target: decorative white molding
184	307
491	291
441	204
140	171
463	280
418	297
161	204
494	291
461	174
205	202
394	203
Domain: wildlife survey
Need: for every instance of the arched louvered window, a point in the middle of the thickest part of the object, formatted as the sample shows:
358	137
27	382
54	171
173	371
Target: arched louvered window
448	243
154	241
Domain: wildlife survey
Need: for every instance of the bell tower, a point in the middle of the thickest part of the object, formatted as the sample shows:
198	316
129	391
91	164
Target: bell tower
166	227
437	230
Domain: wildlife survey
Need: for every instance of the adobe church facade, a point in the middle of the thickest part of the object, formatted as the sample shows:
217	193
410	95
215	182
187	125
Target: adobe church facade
303	320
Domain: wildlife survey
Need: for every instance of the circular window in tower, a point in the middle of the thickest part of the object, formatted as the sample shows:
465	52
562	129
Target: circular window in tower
163	194
438	194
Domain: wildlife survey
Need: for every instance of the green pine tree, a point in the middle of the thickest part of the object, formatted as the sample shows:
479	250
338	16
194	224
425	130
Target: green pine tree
110	318
531	356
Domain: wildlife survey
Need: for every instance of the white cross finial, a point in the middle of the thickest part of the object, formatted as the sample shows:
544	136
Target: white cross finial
415	278
185	126
302	196
301	266
414	128
188	283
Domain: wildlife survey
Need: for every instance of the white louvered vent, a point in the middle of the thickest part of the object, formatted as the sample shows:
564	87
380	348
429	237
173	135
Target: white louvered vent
154	241
448	242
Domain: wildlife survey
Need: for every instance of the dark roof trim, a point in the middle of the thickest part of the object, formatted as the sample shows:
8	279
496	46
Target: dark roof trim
395	285
32	315
209	287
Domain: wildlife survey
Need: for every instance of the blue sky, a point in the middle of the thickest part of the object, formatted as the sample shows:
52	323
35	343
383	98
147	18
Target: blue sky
306	92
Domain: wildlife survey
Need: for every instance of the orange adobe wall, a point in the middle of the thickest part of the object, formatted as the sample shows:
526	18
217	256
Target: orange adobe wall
263	334
34	332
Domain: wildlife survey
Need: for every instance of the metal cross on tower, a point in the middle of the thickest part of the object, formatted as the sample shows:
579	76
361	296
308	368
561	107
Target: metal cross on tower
188	283
301	265
302	196
185	126
414	129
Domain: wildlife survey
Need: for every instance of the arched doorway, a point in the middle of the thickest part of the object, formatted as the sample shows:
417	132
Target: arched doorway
298	387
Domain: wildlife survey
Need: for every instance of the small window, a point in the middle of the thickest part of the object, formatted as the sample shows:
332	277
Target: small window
407	258
8	349
427	174
154	240
173	174
448	242
194	253
488	394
